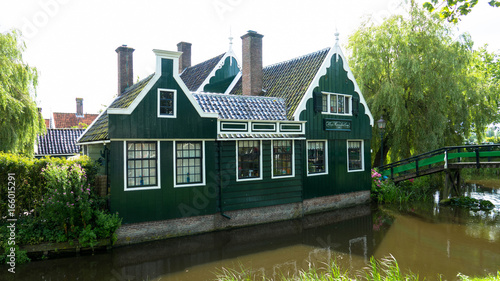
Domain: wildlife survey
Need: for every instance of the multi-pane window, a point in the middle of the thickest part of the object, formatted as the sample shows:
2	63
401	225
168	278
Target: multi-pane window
316	161
355	155
141	164
166	100
248	159
189	167
282	158
336	103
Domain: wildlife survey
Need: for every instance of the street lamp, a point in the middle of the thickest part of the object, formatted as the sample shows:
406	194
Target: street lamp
381	125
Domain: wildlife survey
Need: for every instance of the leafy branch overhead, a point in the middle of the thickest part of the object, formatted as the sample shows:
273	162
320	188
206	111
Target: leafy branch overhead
452	10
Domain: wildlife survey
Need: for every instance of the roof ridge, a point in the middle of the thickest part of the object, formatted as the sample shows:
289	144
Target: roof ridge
221	55
299	57
237	96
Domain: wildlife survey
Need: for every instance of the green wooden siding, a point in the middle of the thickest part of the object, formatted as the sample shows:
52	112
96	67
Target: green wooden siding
257	193
143	123
335	81
223	77
167	202
338	180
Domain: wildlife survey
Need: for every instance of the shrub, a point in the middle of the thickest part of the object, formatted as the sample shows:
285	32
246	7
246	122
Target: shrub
55	202
385	190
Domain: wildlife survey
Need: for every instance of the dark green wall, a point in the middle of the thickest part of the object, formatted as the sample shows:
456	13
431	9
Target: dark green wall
258	193
338	180
335	81
167	202
143	123
223	77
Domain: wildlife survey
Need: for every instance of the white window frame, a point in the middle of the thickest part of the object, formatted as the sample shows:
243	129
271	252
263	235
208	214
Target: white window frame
328	106
125	172
203	170
326	158
238	163
174	103
362	157
272	161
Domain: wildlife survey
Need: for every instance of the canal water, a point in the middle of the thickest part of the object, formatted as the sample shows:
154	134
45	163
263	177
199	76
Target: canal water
431	240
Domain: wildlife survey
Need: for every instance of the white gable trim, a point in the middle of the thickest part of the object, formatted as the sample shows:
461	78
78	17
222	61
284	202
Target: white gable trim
219	65
161	54
322	71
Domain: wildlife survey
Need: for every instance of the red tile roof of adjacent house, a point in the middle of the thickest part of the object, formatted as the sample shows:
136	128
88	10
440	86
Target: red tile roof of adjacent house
47	123
69	120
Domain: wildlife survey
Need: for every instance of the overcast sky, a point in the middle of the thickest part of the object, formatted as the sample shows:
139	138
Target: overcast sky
72	43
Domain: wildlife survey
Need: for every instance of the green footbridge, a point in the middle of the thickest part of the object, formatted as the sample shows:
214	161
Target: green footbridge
449	159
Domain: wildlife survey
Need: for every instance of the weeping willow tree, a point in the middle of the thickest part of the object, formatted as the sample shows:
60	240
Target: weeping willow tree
20	121
431	87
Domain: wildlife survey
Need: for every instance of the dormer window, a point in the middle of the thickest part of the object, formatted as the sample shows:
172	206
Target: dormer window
336	104
167	103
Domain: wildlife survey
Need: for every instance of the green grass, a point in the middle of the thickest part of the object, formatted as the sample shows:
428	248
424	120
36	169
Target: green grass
386	269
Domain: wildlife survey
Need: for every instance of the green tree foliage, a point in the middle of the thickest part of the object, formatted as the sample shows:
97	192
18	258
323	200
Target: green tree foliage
432	89
451	10
20	121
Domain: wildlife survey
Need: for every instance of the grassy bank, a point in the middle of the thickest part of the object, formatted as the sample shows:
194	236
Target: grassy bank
378	270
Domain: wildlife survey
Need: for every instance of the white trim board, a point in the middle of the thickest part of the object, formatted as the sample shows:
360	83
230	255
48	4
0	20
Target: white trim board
336	49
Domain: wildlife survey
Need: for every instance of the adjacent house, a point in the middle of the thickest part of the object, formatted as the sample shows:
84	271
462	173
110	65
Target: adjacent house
62	120
58	143
63	130
223	143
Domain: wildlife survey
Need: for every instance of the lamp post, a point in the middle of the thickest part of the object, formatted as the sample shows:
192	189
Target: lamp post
381	125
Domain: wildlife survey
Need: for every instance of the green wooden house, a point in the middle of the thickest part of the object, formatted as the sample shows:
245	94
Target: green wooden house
234	143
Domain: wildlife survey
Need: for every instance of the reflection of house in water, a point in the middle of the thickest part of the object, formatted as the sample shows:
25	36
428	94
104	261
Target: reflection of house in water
267	249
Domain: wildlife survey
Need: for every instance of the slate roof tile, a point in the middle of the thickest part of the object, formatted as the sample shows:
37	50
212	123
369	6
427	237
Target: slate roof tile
194	76
58	141
242	107
289	79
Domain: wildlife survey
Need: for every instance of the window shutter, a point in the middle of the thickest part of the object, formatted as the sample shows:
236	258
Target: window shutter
355	106
318	101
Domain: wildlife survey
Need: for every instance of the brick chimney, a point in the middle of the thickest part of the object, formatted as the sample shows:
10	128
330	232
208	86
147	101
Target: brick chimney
185	59
79	107
125	68
252	63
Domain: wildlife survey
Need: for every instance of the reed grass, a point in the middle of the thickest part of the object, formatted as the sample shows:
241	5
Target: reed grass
386	269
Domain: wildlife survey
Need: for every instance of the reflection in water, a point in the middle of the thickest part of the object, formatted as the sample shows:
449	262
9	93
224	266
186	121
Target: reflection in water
427	239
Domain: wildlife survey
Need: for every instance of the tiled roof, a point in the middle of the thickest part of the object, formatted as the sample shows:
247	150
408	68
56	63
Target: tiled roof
129	95
69	120
58	142
98	131
259	136
242	107
47	123
194	75
290	79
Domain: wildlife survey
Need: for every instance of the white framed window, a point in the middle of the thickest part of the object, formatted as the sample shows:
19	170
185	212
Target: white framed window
167	103
141	165
249	160
283	155
317	157
189	163
355	159
337	104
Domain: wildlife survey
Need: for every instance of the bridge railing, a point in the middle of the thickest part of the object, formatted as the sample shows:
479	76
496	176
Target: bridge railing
425	163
